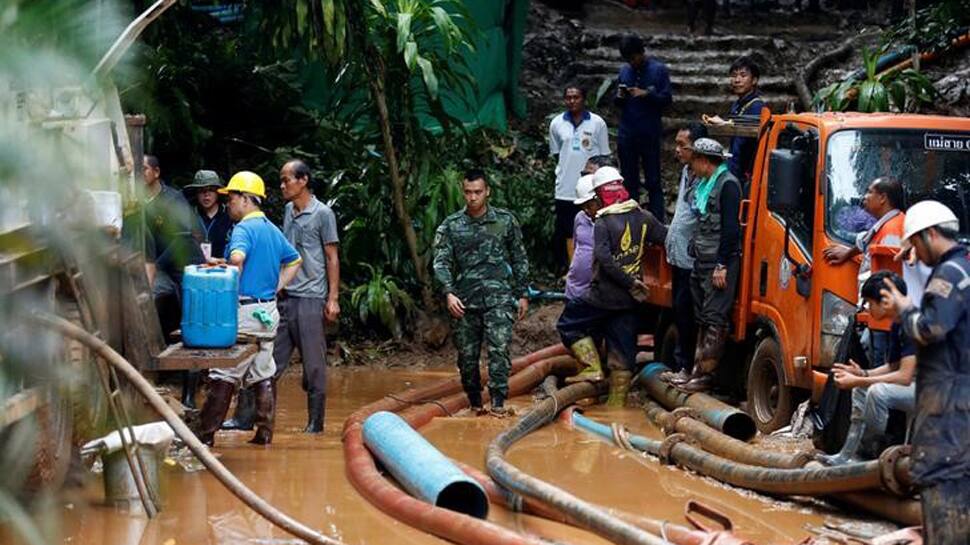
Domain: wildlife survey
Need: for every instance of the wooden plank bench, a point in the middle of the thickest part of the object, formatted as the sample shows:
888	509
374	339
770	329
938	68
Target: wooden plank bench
178	357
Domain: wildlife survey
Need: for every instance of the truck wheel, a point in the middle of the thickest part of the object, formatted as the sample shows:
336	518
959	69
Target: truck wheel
770	401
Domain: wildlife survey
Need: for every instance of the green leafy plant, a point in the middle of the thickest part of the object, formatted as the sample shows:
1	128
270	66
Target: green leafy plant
380	299
892	90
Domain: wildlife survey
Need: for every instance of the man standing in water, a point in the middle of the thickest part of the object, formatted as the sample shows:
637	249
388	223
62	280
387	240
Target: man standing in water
481	266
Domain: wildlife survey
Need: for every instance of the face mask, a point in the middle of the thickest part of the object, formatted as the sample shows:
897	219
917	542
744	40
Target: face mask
612	193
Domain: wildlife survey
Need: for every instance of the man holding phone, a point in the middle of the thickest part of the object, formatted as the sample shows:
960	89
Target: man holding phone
644	91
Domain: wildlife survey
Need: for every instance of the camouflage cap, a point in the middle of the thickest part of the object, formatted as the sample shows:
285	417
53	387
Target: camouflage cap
205	178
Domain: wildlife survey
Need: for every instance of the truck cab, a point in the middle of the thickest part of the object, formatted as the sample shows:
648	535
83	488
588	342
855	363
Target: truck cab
809	176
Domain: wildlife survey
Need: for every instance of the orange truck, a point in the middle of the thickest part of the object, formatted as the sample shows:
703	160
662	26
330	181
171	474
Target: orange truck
810	174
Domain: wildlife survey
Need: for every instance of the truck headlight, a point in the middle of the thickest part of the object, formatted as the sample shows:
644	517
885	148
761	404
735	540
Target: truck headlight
837	313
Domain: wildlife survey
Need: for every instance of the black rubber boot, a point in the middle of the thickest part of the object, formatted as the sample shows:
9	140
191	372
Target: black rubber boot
190	383
265	412
214	409
316	407
853	439
245	413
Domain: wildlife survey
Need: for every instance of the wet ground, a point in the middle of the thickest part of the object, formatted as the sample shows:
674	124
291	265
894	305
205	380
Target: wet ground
304	476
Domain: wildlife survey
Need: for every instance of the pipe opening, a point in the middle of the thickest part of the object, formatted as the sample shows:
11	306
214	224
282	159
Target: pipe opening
739	426
464	497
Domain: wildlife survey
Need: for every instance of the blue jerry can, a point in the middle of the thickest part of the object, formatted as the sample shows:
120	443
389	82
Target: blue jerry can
210	296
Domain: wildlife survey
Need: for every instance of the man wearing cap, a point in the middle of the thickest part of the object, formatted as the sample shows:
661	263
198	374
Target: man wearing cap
716	249
267	263
620	233
679	235
312	297
575	136
213	218
940	327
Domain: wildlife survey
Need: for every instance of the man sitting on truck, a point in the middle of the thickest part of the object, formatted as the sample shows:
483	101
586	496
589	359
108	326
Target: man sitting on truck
875	391
883	200
619	233
716	248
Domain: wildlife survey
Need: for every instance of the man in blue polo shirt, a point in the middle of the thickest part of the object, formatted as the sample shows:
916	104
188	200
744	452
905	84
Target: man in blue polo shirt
644	91
575	136
267	262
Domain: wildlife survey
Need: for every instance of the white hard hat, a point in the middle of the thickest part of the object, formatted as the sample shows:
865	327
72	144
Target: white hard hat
605	175
584	190
923	215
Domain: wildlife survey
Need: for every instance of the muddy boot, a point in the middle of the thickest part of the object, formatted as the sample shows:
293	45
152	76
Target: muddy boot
711	349
619	387
499	410
315	405
245	412
852	441
697	384
214	409
265	412
475	405
189	384
584	350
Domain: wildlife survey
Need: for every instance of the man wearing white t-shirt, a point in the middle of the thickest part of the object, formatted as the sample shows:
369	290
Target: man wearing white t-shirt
575	135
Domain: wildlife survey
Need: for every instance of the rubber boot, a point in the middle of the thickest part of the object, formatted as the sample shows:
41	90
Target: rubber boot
315	405
619	387
189	385
584	350
853	439
245	412
265	412
498	409
214	409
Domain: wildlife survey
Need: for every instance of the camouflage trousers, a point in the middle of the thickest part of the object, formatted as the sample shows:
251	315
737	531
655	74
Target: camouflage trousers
493	328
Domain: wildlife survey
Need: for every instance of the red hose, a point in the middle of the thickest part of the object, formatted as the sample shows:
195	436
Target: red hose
380	492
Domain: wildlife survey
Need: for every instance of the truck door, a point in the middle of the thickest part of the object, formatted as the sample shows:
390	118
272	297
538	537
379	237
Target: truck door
779	286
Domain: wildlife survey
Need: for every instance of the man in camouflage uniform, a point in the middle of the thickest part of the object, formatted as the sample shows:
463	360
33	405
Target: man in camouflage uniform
480	263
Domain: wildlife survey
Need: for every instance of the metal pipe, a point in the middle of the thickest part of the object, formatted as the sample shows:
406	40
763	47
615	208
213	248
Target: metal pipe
585	514
145	388
718	443
719	415
421	468
419	408
818	480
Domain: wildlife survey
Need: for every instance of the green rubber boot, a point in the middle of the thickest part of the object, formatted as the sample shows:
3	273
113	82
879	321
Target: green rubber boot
619	387
584	350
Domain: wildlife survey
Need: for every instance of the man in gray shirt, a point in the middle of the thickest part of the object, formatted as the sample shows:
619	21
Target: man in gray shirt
311	297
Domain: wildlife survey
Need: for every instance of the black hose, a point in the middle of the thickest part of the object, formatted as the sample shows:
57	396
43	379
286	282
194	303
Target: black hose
589	516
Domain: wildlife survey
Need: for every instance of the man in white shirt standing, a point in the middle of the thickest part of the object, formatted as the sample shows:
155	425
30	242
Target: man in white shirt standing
575	135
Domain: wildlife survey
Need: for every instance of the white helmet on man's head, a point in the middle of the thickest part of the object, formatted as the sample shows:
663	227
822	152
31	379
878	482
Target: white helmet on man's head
926	214
605	175
584	190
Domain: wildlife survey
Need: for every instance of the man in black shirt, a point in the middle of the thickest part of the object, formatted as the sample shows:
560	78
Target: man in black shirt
213	218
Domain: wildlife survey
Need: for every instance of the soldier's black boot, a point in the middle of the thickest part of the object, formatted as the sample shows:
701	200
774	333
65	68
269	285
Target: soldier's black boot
245	412
316	407
475	403
189	384
499	410
265	412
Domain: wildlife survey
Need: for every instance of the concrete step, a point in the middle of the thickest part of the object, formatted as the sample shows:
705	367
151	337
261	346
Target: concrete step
682	83
677	56
686	42
694	105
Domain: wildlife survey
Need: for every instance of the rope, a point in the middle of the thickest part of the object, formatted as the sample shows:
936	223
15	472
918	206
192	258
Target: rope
421	402
621	436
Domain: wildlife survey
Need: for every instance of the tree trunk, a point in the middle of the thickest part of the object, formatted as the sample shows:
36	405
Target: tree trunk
376	71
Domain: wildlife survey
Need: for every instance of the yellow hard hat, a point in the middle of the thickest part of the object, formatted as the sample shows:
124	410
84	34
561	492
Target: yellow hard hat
245	181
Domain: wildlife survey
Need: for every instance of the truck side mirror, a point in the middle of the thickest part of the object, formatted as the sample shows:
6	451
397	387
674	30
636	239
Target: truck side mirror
786	180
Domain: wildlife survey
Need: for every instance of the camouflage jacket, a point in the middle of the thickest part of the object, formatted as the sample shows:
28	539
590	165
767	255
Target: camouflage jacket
481	260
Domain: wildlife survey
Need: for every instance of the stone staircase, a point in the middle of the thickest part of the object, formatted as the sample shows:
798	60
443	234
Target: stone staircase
698	70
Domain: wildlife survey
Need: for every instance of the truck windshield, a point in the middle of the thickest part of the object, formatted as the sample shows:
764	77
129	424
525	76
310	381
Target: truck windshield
930	165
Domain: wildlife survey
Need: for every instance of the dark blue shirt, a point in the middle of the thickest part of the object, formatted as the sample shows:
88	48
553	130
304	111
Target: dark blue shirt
743	149
941	330
641	116
900	346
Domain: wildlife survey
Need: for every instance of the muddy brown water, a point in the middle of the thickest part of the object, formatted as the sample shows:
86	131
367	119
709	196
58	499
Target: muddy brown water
304	476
